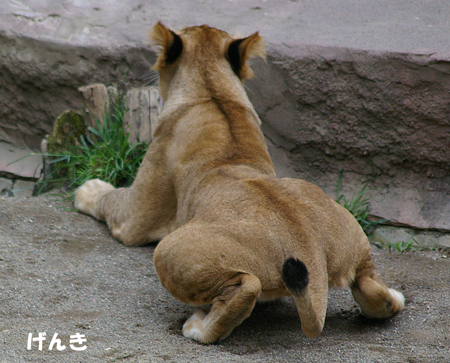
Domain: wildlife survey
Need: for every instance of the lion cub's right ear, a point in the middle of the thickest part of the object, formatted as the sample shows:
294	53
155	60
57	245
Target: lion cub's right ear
172	45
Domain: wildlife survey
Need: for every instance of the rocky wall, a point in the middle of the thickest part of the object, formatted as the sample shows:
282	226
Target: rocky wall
380	117
40	79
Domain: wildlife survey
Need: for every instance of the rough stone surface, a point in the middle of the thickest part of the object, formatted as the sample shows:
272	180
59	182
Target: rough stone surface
369	114
40	79
356	87
5	186
23	188
387	25
61	272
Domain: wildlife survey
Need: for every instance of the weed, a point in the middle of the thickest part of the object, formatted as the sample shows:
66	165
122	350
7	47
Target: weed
104	153
359	206
401	246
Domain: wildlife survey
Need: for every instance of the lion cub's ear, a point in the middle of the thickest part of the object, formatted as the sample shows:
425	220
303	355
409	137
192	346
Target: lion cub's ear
239	51
172	45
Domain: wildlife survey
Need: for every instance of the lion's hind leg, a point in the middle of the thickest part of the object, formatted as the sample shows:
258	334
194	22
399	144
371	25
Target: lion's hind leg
373	297
201	265
228	310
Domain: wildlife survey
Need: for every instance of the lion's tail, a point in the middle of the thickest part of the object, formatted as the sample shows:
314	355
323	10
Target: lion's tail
311	309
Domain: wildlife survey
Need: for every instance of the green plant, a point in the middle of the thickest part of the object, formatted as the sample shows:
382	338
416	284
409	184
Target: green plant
401	246
359	206
104	153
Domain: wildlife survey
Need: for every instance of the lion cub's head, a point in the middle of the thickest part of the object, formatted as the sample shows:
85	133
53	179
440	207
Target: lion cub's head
202	53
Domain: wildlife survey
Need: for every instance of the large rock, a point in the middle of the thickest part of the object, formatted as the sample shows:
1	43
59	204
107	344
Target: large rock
379	117
361	88
40	79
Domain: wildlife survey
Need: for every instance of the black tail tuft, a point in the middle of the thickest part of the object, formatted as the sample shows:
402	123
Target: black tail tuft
295	275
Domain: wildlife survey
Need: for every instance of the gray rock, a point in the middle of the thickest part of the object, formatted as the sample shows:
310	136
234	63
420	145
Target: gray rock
378	117
389	236
40	79
5	186
19	162
23	188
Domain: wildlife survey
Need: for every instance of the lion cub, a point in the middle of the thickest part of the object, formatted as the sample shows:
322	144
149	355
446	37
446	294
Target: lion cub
232	233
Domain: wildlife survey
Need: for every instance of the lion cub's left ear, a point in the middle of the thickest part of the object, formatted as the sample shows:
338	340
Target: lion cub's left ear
239	51
171	42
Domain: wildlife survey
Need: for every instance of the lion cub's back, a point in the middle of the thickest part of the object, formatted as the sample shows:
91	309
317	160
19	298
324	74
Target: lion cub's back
308	211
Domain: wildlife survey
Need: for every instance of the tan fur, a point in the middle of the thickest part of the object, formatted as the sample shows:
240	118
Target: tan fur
207	188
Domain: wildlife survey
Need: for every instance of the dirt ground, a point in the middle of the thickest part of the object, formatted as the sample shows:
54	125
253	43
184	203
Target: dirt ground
62	272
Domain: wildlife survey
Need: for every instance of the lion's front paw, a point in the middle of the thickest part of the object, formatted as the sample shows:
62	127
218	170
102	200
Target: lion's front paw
86	196
194	327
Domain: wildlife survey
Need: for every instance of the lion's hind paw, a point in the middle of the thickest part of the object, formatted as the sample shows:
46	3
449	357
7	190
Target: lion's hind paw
194	327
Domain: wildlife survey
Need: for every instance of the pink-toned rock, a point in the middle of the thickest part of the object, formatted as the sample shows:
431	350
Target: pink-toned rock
380	117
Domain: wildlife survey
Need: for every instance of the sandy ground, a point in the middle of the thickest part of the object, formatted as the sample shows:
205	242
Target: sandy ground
62	272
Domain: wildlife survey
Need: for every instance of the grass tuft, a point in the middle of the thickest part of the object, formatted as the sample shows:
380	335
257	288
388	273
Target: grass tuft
400	246
104	153
359	206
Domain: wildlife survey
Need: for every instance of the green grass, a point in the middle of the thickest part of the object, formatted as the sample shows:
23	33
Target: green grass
104	153
401	246
359	206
